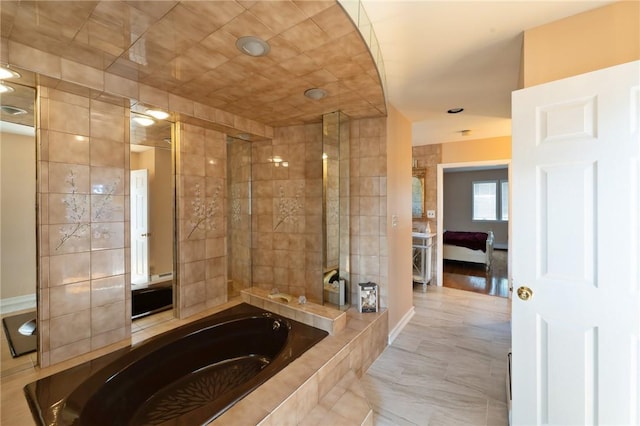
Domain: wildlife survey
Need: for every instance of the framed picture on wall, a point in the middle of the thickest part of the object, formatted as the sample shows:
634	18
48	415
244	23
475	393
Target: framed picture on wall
368	297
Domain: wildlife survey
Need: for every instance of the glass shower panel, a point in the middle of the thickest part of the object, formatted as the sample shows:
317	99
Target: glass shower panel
335	179
238	216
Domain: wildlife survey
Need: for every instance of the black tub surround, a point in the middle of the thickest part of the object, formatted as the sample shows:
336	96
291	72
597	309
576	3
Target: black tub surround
188	376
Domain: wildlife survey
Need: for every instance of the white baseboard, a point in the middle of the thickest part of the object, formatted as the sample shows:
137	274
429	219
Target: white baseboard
18	303
401	324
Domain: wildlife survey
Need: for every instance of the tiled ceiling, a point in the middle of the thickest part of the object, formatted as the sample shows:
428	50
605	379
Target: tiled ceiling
188	48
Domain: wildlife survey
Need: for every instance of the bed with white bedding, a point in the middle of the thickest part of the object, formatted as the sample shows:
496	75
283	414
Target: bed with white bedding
475	247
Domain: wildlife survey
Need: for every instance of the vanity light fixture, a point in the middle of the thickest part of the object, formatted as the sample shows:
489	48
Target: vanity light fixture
7	73
455	110
11	110
5	89
253	46
143	121
157	113
315	93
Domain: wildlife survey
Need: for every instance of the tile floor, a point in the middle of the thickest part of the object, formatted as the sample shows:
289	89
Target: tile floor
448	365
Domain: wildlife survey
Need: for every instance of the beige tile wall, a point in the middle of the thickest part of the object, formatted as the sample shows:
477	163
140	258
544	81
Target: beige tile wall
287	212
84	137
83	295
368	205
201	160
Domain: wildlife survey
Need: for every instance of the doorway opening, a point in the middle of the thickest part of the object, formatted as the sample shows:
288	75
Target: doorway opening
463	188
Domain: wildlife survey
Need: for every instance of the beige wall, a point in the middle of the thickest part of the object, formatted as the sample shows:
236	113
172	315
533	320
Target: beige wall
585	42
498	148
18	215
400	293
161	217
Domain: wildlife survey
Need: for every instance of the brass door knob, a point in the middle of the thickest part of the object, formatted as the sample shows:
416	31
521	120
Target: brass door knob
525	293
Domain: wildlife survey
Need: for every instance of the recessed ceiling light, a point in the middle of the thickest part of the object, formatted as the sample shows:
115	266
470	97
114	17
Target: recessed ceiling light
315	93
143	121
11	110
7	73
455	110
5	89
253	46
157	113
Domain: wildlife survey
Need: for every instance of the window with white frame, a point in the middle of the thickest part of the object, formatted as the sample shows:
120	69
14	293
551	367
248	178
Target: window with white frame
491	200
504	200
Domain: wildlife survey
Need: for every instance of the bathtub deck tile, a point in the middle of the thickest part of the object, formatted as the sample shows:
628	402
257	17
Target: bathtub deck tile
324	317
307	397
286	413
271	394
237	416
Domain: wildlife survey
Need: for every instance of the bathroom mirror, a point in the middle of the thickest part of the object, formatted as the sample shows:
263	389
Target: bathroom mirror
418	193
18	180
18	259
151	214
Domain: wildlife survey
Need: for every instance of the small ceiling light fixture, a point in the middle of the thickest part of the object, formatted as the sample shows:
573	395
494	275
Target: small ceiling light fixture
11	110
455	110
253	46
315	93
5	89
157	113
7	73
465	132
143	121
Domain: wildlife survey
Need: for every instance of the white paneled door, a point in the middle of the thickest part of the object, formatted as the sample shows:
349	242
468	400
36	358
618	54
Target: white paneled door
139	226
576	233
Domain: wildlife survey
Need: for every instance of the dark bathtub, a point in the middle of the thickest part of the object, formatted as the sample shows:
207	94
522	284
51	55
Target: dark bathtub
187	376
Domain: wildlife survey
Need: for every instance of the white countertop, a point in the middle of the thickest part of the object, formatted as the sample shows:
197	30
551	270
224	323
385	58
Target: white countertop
423	234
